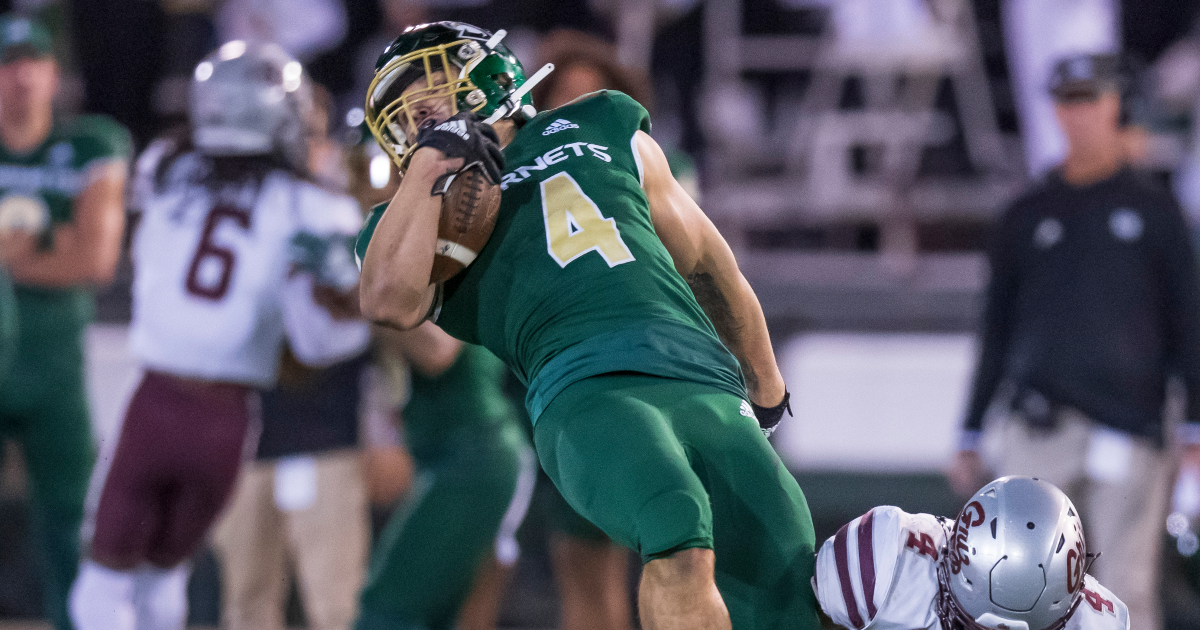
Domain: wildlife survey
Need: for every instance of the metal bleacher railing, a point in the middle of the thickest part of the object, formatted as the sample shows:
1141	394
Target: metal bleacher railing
813	162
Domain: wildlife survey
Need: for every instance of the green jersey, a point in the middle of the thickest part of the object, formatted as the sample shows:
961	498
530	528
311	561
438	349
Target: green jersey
574	282
8	322
41	186
468	396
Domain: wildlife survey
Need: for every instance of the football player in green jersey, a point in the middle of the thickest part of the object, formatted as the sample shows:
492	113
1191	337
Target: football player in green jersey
61	207
610	293
8	319
474	476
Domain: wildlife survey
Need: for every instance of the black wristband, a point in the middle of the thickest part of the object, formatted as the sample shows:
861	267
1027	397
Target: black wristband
769	417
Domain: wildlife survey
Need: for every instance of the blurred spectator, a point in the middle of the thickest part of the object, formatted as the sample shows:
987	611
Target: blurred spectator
235	253
1177	84
585	63
1038	33
397	14
304	28
304	502
61	220
1093	301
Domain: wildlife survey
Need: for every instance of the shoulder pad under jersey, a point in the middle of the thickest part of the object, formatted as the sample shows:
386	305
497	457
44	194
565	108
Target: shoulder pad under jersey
880	571
1099	610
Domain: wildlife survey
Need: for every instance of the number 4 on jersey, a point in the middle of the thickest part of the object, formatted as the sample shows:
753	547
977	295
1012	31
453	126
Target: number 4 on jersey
574	225
923	545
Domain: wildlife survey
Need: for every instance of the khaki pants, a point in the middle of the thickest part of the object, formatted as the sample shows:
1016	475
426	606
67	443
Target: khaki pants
323	536
1120	484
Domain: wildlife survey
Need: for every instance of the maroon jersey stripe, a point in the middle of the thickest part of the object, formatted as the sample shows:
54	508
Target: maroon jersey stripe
843	568
866	558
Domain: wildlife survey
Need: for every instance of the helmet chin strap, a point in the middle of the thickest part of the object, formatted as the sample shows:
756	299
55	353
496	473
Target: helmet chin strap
990	620
513	102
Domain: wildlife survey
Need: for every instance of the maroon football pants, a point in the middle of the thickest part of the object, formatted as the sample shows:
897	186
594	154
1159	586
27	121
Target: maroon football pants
174	468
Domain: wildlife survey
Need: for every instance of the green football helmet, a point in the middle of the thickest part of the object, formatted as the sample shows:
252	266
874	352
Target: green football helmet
478	73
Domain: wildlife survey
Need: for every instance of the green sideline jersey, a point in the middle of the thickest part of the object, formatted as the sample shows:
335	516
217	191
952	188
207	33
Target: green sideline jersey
574	282
467	397
8	322
45	182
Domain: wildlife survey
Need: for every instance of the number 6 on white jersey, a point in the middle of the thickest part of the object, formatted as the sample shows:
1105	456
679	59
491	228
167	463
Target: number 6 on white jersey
574	225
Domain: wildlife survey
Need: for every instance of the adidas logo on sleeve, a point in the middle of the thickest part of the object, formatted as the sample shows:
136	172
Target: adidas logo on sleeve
456	127
559	125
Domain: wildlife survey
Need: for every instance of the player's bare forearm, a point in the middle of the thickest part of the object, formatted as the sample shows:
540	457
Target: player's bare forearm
735	312
426	348
704	259
394	287
85	251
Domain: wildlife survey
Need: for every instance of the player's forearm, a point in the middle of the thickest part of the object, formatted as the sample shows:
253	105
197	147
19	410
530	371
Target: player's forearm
73	261
427	348
394	287
85	251
729	301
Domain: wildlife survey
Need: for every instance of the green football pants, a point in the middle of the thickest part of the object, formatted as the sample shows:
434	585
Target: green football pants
663	465
43	405
425	562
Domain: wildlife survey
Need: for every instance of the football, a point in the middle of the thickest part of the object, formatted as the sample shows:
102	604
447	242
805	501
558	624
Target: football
469	206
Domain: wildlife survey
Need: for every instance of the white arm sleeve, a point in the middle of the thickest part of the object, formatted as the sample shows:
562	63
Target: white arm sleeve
316	338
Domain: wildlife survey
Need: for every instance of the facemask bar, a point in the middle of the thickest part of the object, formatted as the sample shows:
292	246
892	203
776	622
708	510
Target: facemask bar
391	124
385	123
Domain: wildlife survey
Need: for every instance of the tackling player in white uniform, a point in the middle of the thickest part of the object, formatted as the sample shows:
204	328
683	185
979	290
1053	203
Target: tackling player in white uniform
224	273
1014	560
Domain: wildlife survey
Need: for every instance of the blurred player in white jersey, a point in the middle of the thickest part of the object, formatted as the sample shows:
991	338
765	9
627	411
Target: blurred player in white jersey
1014	560
219	284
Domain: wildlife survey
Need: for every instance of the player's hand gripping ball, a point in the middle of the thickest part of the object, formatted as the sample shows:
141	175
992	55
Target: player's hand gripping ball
470	203
470	196
465	136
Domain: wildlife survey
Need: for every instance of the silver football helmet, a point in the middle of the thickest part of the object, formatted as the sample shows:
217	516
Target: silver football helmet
251	99
1015	559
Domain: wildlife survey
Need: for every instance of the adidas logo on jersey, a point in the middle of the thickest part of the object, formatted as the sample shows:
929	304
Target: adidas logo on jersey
747	410
559	125
456	127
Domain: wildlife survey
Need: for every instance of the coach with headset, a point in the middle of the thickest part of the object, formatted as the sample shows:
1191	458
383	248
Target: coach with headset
1094	300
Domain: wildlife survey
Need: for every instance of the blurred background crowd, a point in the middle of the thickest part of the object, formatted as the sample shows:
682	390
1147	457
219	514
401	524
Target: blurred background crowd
855	153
